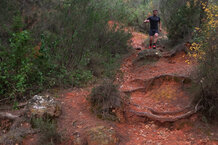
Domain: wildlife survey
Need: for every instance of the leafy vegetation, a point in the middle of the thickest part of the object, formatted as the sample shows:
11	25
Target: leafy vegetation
204	49
180	18
55	44
48	130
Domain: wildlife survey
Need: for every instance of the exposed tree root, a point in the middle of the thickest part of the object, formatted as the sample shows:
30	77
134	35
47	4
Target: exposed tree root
166	112
166	77
161	118
147	84
170	112
172	116
10	107
6	115
140	89
179	48
166	116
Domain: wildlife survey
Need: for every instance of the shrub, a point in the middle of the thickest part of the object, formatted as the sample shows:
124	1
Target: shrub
81	77
52	46
105	99
25	72
204	49
16	65
48	131
180	17
87	23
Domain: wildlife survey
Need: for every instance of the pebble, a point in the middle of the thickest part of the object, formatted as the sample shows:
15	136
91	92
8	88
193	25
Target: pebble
146	126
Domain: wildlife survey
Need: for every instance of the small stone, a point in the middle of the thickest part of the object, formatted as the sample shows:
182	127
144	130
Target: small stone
146	126
77	139
101	135
153	126
148	53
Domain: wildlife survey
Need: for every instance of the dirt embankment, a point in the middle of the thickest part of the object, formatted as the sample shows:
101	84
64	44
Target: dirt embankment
161	87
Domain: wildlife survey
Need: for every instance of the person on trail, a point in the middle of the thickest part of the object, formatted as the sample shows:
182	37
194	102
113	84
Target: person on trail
153	33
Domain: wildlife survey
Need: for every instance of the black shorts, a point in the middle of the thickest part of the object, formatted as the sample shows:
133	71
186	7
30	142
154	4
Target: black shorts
153	31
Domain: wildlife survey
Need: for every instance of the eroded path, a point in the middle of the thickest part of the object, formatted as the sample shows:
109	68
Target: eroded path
166	93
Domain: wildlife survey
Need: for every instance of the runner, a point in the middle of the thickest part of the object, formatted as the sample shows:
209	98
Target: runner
153	33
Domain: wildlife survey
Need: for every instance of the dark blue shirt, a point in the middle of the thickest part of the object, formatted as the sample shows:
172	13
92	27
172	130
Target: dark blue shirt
154	20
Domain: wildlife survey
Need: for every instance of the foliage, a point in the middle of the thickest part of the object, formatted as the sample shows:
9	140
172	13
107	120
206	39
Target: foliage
47	44
81	77
23	72
105	99
180	17
91	35
138	11
204	49
16	64
48	131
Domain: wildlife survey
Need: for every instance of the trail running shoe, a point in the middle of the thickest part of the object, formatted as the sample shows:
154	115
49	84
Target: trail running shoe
154	46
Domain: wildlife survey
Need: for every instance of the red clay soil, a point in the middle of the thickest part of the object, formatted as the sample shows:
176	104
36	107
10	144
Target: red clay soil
167	95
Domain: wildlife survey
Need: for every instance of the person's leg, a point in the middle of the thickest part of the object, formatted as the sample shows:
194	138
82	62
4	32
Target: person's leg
151	40
155	37
155	40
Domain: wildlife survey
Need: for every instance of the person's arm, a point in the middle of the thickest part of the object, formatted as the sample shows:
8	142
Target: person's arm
147	20
160	26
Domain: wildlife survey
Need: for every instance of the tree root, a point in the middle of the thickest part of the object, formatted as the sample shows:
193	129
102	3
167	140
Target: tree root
172	116
147	84
6	115
179	48
10	107
170	112
161	118
166	112
140	89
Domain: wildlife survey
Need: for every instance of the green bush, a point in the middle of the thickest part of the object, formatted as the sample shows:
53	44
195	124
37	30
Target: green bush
81	77
16	65
90	36
179	18
68	34
87	22
138	11
48	131
24	73
207	56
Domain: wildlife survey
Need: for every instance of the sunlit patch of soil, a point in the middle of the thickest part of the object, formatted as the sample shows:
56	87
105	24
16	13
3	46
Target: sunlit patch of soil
164	97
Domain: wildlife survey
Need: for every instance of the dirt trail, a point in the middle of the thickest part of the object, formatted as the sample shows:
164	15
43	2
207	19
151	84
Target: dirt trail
165	94
162	95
